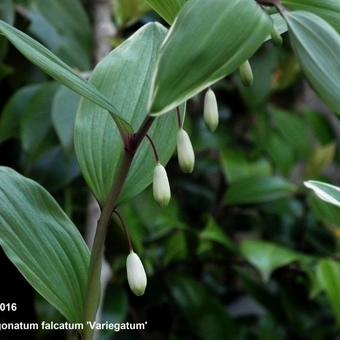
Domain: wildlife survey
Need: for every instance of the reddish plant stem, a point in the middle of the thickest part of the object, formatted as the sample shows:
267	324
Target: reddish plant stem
153	147
125	228
139	136
93	288
273	3
179	119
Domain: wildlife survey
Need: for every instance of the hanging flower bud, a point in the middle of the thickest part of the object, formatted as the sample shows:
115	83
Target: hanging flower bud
161	187
276	37
135	274
185	152
210	110
246	74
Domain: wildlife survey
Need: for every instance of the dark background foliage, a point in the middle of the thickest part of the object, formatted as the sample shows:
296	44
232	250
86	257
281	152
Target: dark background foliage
237	253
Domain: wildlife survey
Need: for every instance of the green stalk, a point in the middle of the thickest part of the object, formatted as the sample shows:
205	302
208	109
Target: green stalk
97	253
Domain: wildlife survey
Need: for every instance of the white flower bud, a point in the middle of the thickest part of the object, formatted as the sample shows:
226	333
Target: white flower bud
161	187
135	274
210	110
246	74
185	152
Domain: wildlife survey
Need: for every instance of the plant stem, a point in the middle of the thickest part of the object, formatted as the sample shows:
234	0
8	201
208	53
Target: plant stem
143	130
153	147
179	119
125	228
274	3
104	31
268	2
93	286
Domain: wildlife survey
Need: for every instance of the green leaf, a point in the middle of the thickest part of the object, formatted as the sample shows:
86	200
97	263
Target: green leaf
64	109
74	18
293	129
329	10
326	192
208	41
201	309
167	9
43	243
36	120
321	128
127	12
263	64
281	153
57	69
258	190
237	166
317	46
128	84
327	213
212	232
267	257
322	158
7	11
14	109
71	37
328	274
55	170
175	249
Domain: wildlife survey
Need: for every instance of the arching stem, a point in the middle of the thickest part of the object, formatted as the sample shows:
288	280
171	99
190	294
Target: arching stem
153	147
93	286
125	228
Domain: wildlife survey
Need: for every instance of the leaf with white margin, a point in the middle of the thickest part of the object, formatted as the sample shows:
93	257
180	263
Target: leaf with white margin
208	41
326	192
317	47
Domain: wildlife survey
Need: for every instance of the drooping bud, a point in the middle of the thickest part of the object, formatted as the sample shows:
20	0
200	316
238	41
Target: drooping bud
135	274
276	37
161	187
185	152
211	110
246	74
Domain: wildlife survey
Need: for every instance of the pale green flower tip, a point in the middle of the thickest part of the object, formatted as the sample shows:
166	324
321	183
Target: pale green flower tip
276	37
161	186
210	113
246	74
136	274
185	152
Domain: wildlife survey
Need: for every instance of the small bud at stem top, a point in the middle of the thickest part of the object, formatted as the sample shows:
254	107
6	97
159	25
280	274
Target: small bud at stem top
246	74
136	274
276	37
210	112
185	152
161	187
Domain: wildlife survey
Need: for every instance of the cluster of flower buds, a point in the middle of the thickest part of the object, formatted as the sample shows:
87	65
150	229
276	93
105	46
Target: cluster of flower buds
186	159
185	151
135	274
